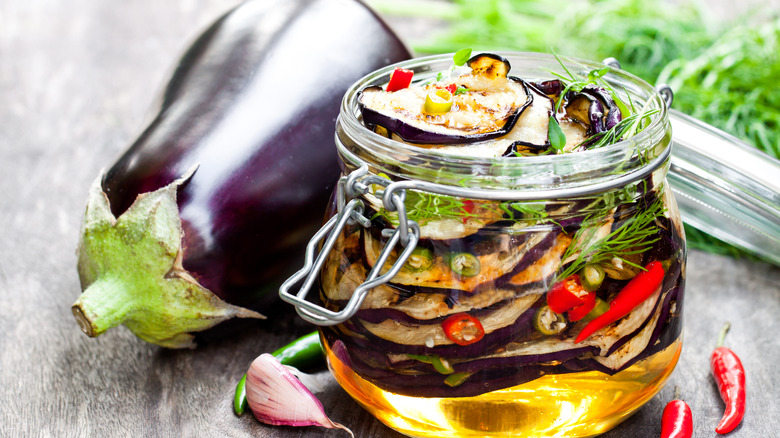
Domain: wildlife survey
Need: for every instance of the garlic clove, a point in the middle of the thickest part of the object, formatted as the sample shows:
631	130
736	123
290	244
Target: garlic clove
277	397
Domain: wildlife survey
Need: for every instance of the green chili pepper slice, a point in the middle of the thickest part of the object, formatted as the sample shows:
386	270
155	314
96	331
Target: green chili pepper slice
548	322
465	264
420	259
439	364
456	379
591	277
599	309
438	101
300	353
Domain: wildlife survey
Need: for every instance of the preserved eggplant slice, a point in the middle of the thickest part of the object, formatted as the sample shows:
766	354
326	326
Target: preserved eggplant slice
545	266
633	347
488	108
489	65
421	306
425	334
531	130
593	107
492	265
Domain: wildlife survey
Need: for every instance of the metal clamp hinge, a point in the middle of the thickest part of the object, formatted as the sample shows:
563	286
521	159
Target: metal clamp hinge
350	211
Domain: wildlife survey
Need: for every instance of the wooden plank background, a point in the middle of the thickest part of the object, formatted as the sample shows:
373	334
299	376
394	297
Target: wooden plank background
77	81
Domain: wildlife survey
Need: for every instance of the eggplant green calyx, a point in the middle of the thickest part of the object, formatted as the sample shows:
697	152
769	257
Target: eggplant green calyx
131	272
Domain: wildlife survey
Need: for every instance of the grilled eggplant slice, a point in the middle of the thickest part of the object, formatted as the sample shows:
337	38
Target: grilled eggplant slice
489	65
493	265
487	109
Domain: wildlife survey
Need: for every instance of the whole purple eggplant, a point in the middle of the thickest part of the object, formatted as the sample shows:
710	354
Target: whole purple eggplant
211	206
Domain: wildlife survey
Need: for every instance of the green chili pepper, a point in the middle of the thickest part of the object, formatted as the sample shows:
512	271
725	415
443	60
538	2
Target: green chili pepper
465	264
300	353
239	401
599	309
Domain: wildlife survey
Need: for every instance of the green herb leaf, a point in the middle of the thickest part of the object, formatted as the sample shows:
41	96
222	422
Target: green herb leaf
557	137
461	56
460	90
595	75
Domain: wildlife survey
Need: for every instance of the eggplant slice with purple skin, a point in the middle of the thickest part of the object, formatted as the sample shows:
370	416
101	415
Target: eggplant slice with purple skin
488	107
212	205
493	115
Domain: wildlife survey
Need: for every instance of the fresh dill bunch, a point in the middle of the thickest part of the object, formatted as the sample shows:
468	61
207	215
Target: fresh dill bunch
732	84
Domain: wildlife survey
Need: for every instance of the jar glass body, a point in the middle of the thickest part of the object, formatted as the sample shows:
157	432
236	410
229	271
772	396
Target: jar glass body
474	335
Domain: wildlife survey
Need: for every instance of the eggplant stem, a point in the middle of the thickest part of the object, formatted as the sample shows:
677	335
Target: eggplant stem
100	307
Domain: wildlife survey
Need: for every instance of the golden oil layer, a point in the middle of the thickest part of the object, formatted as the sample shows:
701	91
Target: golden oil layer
569	405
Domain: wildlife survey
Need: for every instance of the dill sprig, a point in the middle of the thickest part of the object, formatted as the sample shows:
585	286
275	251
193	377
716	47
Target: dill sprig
634	236
632	122
626	128
423	207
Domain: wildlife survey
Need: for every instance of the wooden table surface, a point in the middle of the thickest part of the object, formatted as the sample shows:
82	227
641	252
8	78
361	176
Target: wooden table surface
77	80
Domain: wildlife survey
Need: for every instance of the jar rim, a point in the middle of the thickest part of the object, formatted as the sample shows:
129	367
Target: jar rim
534	173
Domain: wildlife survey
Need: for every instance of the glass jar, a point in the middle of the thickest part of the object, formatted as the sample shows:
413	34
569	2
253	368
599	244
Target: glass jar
444	279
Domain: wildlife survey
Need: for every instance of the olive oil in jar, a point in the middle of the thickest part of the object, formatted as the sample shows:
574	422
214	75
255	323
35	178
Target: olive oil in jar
581	404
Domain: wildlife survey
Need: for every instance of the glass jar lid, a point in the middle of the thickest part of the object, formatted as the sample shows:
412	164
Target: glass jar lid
726	188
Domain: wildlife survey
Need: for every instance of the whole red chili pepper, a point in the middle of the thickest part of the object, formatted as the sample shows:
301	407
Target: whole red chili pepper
640	288
677	419
730	377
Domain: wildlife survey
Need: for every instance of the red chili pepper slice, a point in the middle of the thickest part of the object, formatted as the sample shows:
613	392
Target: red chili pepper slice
581	311
452	88
463	329
677	420
638	289
568	294
468	208
729	374
400	79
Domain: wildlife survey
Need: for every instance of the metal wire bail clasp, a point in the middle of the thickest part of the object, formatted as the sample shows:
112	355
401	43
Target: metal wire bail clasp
350	211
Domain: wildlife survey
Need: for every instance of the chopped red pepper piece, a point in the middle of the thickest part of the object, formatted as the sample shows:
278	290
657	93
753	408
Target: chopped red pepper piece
400	79
568	294
463	329
468	208
452	88
638	289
